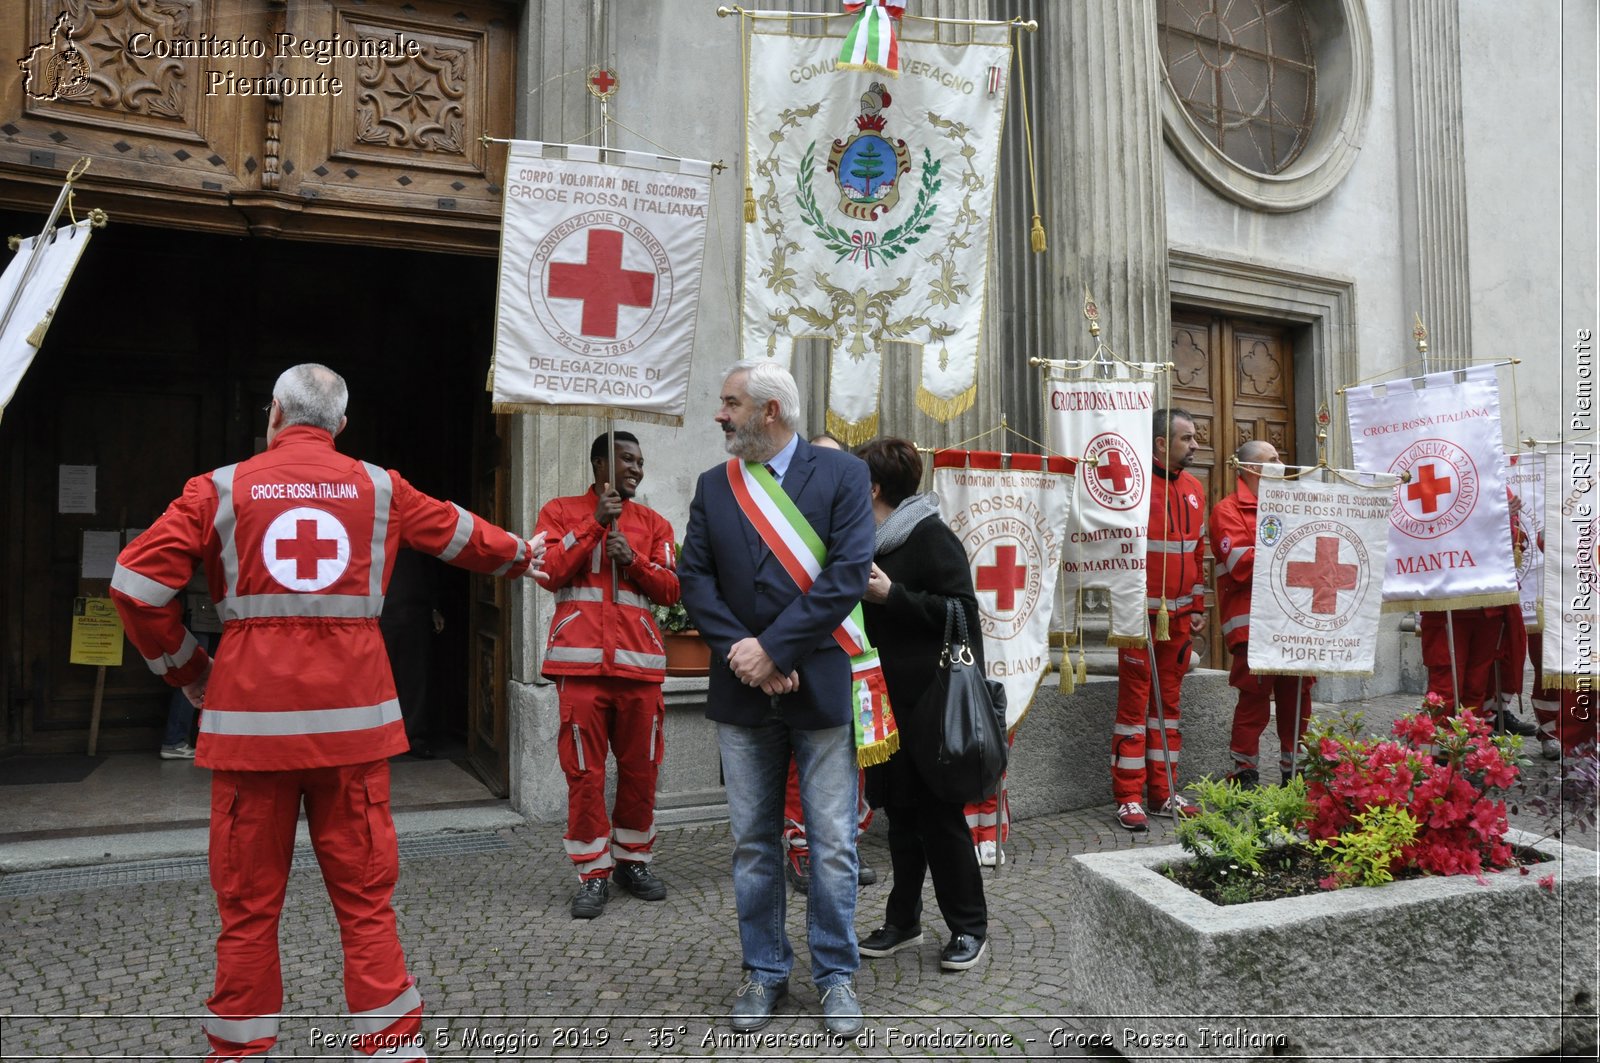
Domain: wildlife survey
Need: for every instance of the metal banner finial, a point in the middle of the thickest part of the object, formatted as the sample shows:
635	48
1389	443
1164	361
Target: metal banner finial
1419	332
603	82
1091	311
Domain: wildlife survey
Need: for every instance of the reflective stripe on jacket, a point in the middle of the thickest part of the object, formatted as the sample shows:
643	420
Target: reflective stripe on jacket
1233	545
593	633
1174	564
298	544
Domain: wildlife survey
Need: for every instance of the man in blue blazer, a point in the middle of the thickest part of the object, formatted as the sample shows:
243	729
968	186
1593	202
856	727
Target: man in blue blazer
779	682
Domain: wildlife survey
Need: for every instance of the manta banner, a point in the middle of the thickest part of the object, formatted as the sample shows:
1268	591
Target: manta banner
1106	424
874	197
1010	512
1317	586
1450	524
600	261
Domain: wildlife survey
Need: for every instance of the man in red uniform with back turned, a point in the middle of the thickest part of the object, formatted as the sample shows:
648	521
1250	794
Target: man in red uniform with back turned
298	543
610	558
1145	742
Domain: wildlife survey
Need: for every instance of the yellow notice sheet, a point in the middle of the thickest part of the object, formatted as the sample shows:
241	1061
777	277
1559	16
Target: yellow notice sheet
96	632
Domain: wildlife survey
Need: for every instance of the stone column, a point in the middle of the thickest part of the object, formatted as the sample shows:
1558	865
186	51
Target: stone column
1433	177
1100	125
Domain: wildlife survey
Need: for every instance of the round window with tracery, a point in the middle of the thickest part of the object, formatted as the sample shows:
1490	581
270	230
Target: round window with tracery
1246	73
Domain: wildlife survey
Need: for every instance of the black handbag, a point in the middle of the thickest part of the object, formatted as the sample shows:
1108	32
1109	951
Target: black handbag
961	752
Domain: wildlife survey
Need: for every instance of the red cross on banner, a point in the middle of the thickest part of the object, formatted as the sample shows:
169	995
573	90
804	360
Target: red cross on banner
602	284
1429	487
306	549
1005	577
1324	577
1115	470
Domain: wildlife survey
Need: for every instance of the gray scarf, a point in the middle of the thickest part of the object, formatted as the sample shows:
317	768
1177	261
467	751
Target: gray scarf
897	527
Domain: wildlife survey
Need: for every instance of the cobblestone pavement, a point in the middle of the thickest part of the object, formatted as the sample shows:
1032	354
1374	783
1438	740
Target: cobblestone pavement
507	974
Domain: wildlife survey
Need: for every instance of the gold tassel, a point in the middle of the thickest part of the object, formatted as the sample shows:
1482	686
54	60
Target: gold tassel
1163	627
1066	685
1516	556
749	205
1038	235
1083	668
36	337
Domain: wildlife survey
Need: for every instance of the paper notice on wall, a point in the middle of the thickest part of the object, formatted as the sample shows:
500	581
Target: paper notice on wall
75	489
100	549
96	632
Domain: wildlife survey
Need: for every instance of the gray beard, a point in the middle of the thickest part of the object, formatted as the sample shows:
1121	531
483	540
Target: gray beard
749	442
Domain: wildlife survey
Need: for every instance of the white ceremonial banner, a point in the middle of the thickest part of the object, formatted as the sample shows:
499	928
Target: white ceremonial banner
1106	424
1571	618
874	198
600	260
1316	591
1450	526
1010	512
1525	476
47	262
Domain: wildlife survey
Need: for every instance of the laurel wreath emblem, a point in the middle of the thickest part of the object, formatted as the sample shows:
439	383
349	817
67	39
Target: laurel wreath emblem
897	240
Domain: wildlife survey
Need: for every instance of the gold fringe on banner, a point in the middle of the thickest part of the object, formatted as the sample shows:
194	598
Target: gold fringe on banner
851	433
941	409
1126	642
878	752
1474	601
1580	682
617	412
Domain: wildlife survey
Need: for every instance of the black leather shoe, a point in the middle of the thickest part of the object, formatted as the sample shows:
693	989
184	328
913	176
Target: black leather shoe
1514	724
753	1004
865	876
963	951
888	940
797	869
639	880
590	900
841	1011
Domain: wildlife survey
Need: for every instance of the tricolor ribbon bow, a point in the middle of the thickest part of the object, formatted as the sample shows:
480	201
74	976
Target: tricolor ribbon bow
871	43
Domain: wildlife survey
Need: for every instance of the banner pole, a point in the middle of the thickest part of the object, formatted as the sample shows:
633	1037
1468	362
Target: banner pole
33	253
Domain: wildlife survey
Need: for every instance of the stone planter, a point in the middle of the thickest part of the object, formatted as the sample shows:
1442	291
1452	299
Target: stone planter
687	653
1436	967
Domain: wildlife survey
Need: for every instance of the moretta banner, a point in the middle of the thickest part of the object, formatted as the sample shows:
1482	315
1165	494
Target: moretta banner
1450	525
1316	588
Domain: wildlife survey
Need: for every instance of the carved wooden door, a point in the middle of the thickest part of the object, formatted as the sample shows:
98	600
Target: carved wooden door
1237	378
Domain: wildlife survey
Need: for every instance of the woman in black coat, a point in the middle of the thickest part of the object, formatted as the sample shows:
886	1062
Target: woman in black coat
919	566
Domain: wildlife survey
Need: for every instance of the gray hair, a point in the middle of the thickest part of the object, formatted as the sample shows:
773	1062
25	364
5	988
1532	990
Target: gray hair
312	394
766	380
1254	451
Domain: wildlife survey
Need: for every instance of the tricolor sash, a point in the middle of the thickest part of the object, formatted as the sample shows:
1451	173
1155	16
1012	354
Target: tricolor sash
800	551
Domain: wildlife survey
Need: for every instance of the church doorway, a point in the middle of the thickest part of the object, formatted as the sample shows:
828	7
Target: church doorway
156	367
1236	375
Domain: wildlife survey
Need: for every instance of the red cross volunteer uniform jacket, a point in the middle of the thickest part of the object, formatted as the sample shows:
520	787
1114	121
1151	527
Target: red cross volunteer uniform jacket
298	543
1233	544
592	633
1175	562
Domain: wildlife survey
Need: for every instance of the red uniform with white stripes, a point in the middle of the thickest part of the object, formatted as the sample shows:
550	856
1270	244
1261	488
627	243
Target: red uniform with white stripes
1175	573
298	543
1233	545
606	656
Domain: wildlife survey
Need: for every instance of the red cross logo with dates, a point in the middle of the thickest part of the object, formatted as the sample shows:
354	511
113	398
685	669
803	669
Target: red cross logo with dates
600	283
1007	574
306	549
1117	479
1321	575
1443	490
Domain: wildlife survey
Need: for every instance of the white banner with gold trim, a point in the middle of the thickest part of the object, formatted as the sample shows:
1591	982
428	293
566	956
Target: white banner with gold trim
874	197
1107	425
600	263
1525	476
1450	526
1572	576
1010	513
1316	590
46	262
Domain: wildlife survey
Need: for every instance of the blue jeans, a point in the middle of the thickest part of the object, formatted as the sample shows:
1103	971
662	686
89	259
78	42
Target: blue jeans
755	765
